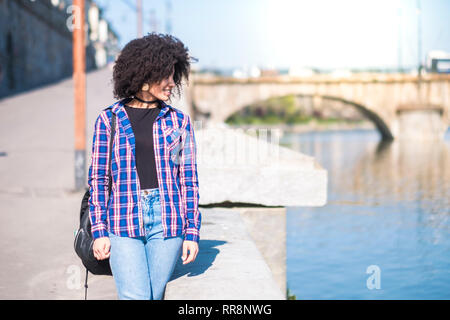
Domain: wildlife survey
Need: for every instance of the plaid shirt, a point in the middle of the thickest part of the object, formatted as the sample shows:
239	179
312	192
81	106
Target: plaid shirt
176	166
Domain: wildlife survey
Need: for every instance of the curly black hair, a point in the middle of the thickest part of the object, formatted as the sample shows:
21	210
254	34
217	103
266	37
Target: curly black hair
150	59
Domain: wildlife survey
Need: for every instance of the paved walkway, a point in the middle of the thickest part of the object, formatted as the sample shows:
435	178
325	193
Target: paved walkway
39	211
228	266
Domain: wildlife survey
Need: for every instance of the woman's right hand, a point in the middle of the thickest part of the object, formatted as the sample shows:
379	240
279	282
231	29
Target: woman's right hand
102	248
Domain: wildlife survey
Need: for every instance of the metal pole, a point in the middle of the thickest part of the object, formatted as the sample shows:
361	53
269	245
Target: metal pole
399	49
139	17
419	53
168	17
153	22
419	40
138	10
79	79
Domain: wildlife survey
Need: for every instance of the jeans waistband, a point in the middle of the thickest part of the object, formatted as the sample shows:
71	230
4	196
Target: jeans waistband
152	191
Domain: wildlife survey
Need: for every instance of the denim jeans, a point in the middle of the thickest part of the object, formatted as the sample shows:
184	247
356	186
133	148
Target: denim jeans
142	266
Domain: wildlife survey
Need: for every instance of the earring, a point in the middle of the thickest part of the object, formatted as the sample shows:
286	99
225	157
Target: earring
145	87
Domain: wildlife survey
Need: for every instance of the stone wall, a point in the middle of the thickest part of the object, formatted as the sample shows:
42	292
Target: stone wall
35	45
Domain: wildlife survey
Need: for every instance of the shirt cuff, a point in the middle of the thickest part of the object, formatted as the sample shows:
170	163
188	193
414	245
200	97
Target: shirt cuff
99	230
192	234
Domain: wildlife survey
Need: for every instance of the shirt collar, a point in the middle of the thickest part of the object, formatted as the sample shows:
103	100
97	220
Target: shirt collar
119	105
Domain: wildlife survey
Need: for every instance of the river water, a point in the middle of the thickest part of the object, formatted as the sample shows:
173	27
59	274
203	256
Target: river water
385	230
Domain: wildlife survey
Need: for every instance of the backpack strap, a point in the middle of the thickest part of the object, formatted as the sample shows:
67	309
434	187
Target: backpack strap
86	284
113	132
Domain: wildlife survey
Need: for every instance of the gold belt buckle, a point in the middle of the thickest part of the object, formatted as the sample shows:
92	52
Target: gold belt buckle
146	192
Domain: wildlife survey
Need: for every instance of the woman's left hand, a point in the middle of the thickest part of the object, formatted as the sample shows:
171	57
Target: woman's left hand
192	247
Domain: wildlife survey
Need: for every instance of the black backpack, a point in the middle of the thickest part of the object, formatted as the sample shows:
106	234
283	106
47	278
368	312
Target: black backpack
83	239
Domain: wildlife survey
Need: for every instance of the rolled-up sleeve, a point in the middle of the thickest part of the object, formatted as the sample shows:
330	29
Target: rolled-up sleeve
98	178
189	184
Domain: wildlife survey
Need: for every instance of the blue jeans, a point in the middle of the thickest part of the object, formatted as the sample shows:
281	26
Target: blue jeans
142	266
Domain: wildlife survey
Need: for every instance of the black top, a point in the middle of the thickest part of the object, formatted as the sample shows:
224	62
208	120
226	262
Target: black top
142	124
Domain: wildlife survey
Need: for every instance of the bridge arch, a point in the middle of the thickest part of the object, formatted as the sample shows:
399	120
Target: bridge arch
377	120
372	116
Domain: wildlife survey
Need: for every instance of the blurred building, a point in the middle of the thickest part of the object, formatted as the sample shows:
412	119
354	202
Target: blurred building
246	72
269	72
300	72
36	42
102	36
438	62
341	73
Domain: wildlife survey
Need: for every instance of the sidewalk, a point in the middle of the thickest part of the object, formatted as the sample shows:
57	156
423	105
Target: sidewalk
229	265
39	209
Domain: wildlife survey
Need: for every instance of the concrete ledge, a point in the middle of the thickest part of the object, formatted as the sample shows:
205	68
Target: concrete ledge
228	266
267	227
240	168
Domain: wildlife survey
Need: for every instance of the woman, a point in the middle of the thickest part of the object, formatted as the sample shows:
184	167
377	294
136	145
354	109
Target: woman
152	214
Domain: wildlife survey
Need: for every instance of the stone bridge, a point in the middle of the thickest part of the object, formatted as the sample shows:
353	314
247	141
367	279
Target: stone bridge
399	105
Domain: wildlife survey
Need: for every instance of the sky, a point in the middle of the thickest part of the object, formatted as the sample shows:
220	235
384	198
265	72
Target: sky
323	34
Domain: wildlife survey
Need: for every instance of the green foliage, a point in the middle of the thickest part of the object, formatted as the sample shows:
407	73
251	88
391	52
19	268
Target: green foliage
290	296
281	110
272	111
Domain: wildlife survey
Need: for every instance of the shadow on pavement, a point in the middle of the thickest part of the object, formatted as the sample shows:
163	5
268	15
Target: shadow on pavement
205	258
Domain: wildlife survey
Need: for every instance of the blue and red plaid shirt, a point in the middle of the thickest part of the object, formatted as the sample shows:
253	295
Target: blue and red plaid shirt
176	167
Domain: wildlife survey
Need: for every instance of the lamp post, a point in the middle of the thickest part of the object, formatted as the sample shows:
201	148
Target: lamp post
79	79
